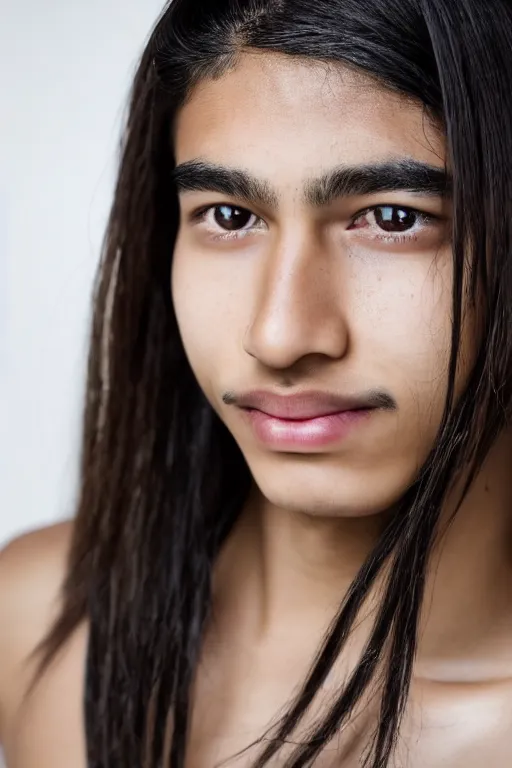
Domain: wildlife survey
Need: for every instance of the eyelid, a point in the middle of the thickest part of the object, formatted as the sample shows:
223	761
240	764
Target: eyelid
425	225
198	216
199	213
216	232
412	209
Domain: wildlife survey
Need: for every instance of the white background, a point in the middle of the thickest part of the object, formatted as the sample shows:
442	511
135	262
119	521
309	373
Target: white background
65	71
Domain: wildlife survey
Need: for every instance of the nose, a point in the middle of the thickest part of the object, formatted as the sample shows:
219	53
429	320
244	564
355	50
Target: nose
298	309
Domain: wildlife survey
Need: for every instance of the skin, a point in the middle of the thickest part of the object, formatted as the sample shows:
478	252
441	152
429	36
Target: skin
309	298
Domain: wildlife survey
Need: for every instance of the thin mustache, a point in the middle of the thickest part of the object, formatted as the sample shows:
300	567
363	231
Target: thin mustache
308	404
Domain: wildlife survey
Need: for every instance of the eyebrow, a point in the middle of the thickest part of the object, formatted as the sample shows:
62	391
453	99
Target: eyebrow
403	174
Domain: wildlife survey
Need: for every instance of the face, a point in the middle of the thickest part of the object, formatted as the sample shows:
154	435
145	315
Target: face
312	278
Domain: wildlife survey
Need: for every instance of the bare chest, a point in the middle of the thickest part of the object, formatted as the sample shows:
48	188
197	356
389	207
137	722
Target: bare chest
469	728
54	739
443	727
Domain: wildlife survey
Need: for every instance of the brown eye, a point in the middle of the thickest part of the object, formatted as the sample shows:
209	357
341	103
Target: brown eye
231	218
390	218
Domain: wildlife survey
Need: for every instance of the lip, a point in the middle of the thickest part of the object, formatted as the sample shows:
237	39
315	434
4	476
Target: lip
302	406
305	421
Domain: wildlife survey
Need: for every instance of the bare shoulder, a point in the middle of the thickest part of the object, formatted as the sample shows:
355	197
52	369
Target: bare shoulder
32	570
38	550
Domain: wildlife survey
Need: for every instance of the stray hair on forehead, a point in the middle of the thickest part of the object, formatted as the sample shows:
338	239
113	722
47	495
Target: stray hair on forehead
162	480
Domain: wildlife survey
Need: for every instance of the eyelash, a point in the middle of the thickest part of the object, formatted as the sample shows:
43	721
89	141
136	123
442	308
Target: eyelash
421	217
200	216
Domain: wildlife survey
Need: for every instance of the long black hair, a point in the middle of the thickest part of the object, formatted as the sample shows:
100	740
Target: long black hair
162	480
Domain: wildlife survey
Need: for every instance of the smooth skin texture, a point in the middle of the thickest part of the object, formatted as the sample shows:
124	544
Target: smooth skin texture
301	297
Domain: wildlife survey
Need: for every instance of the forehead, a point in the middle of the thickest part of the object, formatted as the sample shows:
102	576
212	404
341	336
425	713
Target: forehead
291	117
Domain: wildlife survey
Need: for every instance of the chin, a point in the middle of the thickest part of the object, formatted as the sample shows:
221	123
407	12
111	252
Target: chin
322	491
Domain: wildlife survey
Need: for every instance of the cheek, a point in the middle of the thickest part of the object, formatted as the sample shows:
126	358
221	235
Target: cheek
403	331
208	311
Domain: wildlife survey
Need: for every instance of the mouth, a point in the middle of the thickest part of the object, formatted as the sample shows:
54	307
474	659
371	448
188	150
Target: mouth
308	415
304	434
305	421
306	405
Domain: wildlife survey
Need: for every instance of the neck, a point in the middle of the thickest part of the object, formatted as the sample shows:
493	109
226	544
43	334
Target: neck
285	574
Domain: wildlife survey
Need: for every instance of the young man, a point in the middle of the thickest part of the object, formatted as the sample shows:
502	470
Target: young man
293	541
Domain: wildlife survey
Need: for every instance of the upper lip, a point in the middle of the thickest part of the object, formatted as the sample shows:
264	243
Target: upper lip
301	406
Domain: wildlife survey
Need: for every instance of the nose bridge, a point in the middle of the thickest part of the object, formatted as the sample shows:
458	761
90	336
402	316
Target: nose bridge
297	308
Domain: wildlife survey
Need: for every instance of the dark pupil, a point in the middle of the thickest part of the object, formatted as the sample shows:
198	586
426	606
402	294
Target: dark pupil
393	219
230	217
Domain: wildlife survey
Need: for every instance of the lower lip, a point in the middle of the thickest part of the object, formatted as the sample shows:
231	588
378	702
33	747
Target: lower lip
305	433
